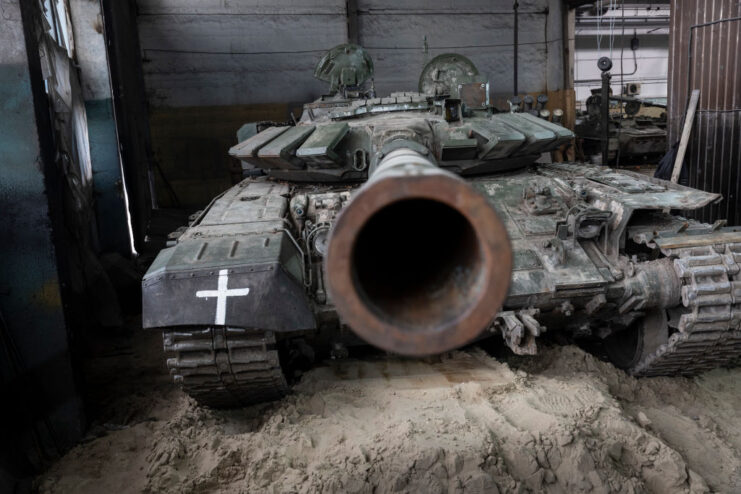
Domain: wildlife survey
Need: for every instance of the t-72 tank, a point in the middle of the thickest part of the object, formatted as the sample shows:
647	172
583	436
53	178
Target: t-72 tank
420	222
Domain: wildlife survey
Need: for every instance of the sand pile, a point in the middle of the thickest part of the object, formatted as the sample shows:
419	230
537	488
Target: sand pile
563	422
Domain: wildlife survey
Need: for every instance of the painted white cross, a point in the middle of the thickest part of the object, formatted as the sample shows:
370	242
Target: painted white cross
221	294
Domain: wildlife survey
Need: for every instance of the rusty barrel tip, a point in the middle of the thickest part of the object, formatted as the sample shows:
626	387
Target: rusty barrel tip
418	262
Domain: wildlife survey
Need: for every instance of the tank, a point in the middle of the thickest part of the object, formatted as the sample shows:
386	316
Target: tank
420	222
637	130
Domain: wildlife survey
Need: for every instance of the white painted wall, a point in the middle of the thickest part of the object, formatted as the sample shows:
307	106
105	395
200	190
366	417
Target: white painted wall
213	52
652	56
652	60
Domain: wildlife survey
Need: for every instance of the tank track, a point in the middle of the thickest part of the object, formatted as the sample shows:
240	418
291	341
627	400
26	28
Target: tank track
709	336
224	367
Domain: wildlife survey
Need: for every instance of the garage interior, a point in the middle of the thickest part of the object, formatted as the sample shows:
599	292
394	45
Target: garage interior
118	118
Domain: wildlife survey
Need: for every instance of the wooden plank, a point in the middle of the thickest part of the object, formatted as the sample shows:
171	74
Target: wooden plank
689	120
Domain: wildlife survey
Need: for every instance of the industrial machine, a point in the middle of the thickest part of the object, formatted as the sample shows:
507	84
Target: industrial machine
634	137
419	222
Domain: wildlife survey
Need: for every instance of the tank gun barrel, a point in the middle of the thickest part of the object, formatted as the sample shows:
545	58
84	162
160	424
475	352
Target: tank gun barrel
418	262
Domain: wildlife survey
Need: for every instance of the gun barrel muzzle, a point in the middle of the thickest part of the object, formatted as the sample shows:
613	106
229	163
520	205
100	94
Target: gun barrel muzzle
418	262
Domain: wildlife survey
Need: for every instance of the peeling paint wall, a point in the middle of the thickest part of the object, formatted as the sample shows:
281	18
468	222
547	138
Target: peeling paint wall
90	54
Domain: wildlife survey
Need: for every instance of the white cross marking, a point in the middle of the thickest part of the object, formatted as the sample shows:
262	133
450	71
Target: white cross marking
221	294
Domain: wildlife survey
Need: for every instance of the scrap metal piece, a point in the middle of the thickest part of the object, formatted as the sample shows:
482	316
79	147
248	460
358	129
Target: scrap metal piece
538	199
475	95
519	330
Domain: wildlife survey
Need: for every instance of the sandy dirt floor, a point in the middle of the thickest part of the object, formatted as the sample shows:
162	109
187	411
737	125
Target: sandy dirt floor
563	422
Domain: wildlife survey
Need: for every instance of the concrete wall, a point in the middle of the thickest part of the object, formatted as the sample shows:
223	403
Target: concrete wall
200	53
206	52
260	55
395	33
90	54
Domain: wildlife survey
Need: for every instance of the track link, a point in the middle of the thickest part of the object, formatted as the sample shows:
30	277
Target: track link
709	334
224	367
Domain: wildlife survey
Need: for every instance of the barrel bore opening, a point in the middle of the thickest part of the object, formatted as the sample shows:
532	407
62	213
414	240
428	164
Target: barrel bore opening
418	264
